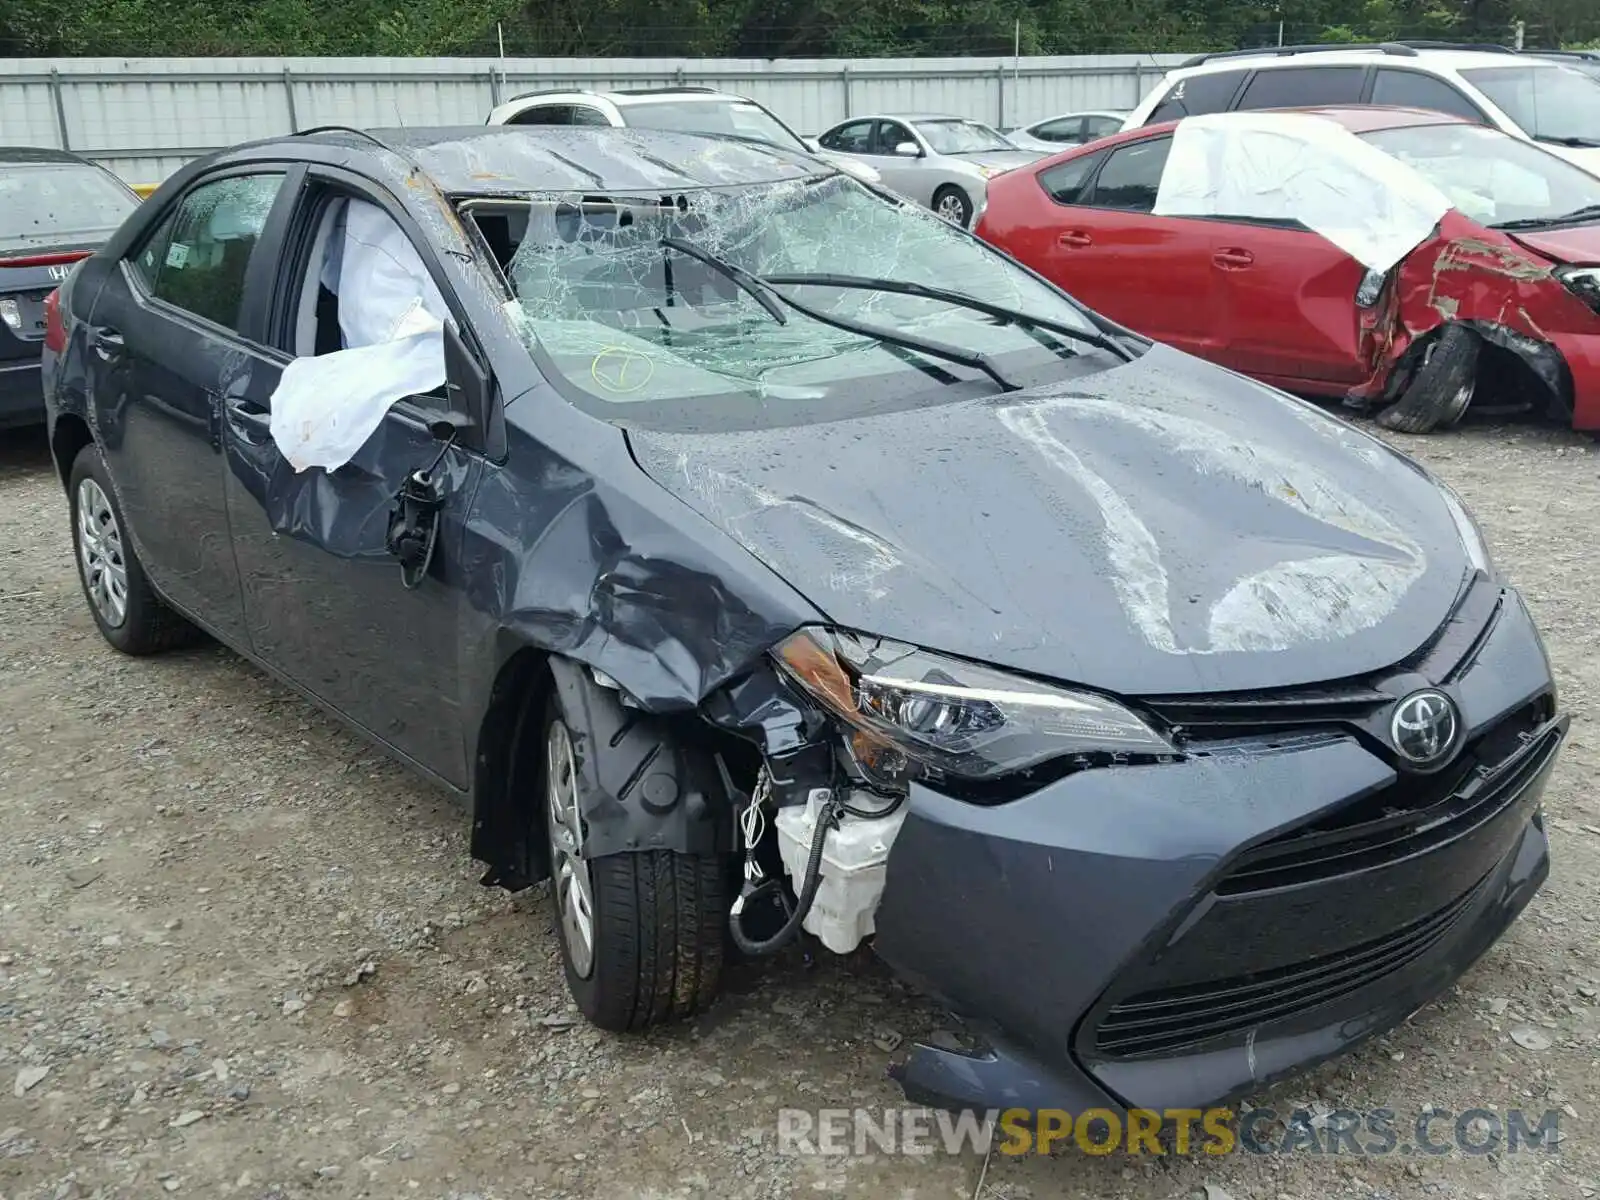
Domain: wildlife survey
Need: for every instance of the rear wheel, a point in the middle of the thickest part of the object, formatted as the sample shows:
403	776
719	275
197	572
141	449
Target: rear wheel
1442	386
123	604
641	932
951	203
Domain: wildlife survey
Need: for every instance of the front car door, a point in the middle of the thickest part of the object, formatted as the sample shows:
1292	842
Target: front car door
1103	244
907	174
170	333
324	598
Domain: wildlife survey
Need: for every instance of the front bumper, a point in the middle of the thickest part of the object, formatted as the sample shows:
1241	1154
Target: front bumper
21	393
1171	936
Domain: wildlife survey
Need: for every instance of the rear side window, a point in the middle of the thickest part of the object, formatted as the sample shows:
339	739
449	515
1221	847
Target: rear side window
1132	176
854	138
544	114
1099	127
1412	89
1068	130
1198	94
583	114
197	257
1303	87
1065	183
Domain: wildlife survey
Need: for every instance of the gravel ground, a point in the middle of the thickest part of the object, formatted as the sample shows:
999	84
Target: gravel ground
241	954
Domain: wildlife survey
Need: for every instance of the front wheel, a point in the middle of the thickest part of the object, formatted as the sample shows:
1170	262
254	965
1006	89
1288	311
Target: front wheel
641	932
951	203
1442	387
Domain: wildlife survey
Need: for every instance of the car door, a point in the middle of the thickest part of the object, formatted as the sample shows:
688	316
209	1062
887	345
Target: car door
1287	299
907	174
169	334
324	598
1105	245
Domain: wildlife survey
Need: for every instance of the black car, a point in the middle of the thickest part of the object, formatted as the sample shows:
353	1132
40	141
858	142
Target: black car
756	552
55	208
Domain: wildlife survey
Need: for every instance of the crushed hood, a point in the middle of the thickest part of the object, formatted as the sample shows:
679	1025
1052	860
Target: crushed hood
1163	527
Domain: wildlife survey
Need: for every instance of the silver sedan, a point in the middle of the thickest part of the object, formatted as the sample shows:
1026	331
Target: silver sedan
1055	134
940	161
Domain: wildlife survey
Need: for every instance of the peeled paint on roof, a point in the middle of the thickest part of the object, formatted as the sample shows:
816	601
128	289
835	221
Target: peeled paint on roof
1299	167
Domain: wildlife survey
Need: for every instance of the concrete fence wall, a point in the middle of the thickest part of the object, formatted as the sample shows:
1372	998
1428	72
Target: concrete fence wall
144	118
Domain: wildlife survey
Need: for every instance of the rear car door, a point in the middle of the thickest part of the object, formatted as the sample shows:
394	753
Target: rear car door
1287	299
323	595
169	334
1103	244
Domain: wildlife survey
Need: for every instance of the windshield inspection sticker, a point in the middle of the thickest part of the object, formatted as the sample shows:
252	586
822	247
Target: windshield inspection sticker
177	255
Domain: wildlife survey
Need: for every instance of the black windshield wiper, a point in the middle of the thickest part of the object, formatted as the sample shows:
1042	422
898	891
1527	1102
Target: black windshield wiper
1589	212
742	279
1577	143
764	293
961	300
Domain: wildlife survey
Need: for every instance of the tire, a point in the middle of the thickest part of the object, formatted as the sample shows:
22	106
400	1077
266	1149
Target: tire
123	604
656	919
1441	389
953	204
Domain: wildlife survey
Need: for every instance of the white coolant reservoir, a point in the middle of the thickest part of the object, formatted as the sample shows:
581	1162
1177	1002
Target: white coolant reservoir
854	864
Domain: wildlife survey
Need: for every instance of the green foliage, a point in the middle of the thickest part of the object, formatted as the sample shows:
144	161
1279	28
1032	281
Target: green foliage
760	28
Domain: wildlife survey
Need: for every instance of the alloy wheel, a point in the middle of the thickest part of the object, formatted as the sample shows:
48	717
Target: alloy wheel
569	870
100	554
952	209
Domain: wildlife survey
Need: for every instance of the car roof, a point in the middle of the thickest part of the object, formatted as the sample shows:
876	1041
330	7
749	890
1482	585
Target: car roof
1369	118
490	160
1395	54
39	154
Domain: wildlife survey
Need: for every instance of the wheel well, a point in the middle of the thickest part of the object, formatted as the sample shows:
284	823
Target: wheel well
508	767
71	435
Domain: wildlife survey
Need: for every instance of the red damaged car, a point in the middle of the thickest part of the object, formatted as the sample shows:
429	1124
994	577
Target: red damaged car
1397	259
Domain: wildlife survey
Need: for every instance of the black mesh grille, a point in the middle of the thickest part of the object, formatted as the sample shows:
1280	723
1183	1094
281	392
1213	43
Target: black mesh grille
1156	1021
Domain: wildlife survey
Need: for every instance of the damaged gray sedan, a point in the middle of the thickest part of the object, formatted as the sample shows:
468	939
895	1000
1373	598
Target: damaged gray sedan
755	581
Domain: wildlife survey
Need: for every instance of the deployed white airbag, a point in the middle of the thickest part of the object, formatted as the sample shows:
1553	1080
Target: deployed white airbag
391	316
1300	167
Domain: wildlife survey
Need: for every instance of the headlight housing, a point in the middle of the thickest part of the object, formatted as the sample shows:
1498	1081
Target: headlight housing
910	713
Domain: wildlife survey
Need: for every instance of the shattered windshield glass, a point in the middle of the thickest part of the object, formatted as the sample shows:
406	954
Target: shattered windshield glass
629	320
1553	103
732	118
962	137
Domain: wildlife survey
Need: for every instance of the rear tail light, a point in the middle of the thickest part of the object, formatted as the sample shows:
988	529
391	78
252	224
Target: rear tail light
1582	282
55	329
11	313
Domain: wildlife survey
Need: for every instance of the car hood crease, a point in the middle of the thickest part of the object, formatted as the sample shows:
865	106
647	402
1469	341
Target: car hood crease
1164	527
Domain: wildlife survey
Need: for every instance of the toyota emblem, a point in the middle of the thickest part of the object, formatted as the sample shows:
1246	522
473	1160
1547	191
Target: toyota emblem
1424	727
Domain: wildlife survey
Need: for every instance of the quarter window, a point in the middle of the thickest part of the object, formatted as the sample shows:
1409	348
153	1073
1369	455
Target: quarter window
1132	176
1068	130
1065	182
1197	94
197	258
544	114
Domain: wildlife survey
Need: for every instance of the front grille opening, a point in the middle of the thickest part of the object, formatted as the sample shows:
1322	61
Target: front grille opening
1410	816
1164	1020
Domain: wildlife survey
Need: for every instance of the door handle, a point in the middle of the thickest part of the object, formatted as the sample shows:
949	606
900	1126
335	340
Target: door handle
107	342
252	422
1075	239
1233	259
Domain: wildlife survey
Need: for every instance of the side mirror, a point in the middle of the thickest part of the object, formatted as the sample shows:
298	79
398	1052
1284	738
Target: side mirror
467	384
908	150
812	145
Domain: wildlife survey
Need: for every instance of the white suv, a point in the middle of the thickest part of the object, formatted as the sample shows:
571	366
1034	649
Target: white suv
1529	97
681	109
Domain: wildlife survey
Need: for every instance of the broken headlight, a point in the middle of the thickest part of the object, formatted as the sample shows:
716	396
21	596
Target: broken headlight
909	713
1582	282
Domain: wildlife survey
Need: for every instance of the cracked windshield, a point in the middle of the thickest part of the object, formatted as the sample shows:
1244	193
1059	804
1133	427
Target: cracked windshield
651	299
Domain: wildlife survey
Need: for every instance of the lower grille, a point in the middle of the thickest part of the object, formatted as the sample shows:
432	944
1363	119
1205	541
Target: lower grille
1159	1021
